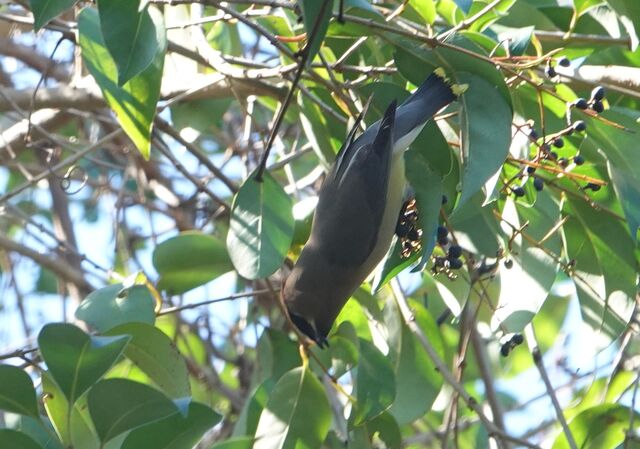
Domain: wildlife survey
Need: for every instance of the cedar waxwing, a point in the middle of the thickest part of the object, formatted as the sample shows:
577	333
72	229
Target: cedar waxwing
357	212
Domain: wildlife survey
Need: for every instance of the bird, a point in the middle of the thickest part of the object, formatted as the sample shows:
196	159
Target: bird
358	207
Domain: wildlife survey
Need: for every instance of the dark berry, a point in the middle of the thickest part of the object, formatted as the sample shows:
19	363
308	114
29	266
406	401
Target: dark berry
597	106
455	251
592	186
402	229
553	155
508	263
538	184
442	232
505	349
558	142
550	72
455	264
439	261
597	93
533	134
564	62
563	162
413	235
445	200
579	126
531	170
580	103
578	159
518	191
517	339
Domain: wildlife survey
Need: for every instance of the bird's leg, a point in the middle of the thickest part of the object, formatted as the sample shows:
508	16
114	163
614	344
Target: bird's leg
408	229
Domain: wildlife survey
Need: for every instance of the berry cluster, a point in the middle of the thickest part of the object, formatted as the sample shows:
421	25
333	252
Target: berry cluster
408	230
507	347
454	252
547	149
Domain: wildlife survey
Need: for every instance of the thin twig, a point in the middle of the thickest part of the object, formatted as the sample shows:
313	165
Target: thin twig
537	360
285	105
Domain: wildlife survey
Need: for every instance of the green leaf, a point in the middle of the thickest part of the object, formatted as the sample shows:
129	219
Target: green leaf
426	9
113	305
620	147
175	431
45	10
525	286
485	133
314	124
252	409
134	103
261	227
190	260
17	394
12	439
157	356
235	443
118	405
600	427
427	184
606	268
73	426
375	384
316	11
297	414
40	431
76	360
387	430
417	381
629	12
130	36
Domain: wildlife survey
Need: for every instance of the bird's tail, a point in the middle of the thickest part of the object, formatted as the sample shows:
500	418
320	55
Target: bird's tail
435	93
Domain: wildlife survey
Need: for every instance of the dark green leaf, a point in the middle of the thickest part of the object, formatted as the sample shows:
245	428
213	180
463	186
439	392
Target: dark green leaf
17	394
427	184
118	405
12	439
620	147
606	268
600	427
113	305
486	133
76	360
297	413
417	381
375	384
629	12
157	356
190	260
235	443
130	35
134	103
45	10
175	431
250	415
316	15
387	430
261	228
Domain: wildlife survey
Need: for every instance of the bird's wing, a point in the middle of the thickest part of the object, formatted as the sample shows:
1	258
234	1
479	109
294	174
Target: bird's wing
351	206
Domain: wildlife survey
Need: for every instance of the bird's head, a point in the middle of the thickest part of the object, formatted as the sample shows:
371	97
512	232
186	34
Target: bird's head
297	303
